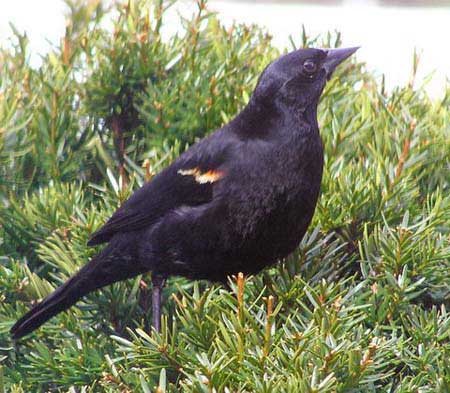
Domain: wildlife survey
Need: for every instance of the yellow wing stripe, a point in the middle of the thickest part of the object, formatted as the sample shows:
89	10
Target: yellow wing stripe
200	177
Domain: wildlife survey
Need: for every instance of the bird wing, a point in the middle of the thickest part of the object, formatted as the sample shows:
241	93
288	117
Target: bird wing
189	181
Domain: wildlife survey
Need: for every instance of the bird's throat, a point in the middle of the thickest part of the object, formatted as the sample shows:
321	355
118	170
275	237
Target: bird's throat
310	116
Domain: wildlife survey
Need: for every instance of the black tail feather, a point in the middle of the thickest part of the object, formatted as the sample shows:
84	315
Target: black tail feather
61	299
99	272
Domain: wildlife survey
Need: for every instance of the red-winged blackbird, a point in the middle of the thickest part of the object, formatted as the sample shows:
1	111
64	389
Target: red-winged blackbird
237	201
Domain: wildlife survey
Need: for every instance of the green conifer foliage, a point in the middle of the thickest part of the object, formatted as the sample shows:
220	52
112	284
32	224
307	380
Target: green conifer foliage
362	304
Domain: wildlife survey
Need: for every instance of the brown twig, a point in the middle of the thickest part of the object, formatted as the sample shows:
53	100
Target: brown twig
268	325
405	150
148	169
66	45
119	142
240	295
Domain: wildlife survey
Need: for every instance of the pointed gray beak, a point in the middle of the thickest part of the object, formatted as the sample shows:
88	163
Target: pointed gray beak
336	57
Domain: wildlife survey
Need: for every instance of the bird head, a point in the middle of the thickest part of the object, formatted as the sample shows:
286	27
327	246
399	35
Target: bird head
297	79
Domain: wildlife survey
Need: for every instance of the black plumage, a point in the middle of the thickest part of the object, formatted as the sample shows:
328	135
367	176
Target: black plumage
237	201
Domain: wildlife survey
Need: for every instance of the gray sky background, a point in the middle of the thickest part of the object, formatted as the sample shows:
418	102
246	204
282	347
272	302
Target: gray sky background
387	34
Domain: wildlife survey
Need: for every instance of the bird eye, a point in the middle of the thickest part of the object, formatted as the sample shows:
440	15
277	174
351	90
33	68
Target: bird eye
309	67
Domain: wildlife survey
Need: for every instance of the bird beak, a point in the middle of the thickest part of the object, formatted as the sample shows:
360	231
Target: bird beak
336	57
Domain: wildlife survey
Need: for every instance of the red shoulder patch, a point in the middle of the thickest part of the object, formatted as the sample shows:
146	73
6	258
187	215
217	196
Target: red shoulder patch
200	177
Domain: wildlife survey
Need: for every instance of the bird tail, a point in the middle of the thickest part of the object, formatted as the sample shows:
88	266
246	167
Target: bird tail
99	272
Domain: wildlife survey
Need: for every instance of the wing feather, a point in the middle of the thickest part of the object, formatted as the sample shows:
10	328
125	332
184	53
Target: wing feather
189	181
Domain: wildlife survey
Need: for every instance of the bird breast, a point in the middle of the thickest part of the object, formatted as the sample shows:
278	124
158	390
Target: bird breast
275	195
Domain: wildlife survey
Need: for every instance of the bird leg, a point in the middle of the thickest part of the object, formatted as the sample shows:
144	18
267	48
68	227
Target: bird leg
158	285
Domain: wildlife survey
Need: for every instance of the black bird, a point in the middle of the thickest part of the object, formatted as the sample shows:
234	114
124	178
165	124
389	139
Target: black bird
237	201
